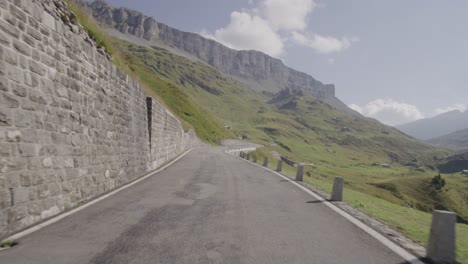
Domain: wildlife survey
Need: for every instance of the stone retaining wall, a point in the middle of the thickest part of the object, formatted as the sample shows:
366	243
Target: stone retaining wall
72	125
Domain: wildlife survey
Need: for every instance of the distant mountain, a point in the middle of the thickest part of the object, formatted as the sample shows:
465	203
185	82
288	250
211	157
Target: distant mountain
258	70
457	140
437	126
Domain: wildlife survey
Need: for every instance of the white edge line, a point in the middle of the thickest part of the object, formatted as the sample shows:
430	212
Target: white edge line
79	208
410	258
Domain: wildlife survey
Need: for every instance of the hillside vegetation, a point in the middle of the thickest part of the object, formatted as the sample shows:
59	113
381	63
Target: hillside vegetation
305	129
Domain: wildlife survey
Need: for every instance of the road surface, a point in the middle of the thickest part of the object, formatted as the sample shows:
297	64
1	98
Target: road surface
208	207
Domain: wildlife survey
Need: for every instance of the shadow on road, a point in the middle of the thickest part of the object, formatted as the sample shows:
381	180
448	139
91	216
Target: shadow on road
314	202
423	260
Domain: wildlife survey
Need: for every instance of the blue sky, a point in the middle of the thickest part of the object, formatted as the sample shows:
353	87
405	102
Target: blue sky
394	60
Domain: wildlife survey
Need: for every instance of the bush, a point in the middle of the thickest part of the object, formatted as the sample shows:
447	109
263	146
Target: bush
438	182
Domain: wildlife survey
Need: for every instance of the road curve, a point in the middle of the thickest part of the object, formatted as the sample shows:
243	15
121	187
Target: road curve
208	207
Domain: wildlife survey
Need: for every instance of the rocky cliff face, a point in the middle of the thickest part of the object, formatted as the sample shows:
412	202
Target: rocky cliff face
258	70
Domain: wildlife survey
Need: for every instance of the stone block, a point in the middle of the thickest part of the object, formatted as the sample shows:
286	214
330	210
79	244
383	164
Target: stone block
27	149
4	4
10	101
23	119
34	33
18	3
279	166
37	97
441	245
5	116
47	162
10	56
22	47
4	39
14	73
25	179
29	40
9	29
49	150
16	12
265	161
300	172
20	195
19	90
14	135
6	150
337	192
4	84
37	67
15	164
4	200
48	20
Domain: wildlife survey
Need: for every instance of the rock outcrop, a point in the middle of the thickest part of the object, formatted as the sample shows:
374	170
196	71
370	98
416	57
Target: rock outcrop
260	71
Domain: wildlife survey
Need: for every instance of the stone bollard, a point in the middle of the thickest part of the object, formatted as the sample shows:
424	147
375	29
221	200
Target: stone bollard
265	161
337	192
255	157
241	154
247	156
441	246
279	168
300	172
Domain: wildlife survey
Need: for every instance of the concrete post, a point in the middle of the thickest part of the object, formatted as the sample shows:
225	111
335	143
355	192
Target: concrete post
265	161
279	168
300	172
441	246
247	156
337	192
255	157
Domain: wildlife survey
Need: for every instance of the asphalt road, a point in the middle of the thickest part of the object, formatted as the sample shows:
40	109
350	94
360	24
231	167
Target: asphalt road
208	207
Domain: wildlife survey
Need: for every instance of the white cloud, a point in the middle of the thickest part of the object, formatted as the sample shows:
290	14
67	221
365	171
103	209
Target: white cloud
247	31
389	111
323	44
441	110
269	24
287	15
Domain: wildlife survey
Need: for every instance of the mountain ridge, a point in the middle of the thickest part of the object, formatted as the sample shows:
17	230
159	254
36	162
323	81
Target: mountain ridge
258	70
437	126
457	140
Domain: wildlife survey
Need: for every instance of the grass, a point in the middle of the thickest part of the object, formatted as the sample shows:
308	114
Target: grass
91	26
8	244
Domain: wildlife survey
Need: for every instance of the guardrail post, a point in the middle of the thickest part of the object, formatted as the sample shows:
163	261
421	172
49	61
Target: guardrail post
337	193
300	172
279	168
441	246
255	157
265	161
